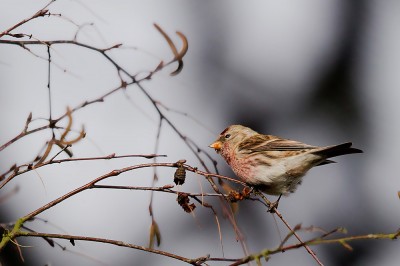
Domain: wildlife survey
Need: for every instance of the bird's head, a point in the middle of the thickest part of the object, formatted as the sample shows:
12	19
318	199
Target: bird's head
231	137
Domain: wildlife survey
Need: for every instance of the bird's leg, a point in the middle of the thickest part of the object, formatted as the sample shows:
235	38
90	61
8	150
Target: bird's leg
274	205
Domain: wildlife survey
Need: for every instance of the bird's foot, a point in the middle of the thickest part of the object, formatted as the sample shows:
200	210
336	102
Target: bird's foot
274	205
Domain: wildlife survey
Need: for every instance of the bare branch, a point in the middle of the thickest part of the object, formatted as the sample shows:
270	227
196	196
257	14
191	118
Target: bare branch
41	13
107	241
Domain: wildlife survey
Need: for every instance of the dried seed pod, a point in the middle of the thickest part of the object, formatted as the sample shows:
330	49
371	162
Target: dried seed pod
183	201
180	173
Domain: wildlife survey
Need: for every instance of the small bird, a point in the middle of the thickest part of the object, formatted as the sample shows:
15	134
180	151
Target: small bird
270	163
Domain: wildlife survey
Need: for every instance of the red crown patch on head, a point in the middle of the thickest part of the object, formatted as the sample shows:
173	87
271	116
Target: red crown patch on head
223	132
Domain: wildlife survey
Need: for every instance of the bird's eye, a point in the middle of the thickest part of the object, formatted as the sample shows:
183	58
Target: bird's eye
227	136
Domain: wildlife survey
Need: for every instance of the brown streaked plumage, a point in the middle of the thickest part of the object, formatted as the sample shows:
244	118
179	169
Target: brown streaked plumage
270	163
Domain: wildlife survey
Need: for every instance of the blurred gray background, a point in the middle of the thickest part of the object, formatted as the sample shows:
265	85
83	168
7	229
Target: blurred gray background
322	72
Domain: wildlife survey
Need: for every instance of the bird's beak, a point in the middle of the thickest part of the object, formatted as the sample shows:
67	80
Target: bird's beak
216	145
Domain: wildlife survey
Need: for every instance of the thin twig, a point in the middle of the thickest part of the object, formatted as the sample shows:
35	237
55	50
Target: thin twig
107	241
315	241
274	210
41	13
16	170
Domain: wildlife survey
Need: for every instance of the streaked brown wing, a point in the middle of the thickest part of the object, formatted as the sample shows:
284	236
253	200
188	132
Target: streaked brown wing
287	145
254	142
272	143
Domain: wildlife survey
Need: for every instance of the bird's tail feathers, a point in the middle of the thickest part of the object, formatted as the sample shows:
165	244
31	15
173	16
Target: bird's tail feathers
337	150
325	162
